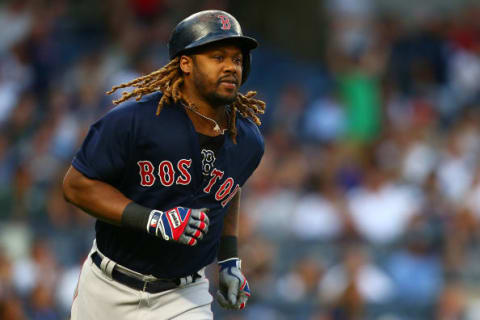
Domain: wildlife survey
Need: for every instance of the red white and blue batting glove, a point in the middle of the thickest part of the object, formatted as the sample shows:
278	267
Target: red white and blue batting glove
233	290
183	225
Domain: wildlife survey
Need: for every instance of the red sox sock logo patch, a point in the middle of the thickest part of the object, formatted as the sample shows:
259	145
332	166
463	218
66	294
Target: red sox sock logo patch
225	22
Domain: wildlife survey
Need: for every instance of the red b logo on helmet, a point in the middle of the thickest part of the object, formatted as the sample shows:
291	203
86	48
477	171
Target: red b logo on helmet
225	22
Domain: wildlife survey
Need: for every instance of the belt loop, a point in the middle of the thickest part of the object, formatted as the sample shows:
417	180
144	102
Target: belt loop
191	278
185	280
107	266
196	276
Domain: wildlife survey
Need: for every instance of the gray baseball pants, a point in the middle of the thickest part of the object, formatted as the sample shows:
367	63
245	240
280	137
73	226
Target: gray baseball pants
99	297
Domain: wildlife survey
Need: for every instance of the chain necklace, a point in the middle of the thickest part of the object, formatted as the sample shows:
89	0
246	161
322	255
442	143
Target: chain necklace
216	127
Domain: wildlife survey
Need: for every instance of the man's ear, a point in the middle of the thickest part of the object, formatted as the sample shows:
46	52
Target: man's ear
186	64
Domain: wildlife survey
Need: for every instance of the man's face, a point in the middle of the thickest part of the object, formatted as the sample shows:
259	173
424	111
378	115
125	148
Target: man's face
217	73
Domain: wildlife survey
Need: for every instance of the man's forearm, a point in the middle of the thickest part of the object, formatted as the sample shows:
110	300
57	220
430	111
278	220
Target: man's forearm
97	198
231	220
106	203
228	241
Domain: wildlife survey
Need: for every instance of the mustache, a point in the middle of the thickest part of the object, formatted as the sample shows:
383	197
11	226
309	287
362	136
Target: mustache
229	78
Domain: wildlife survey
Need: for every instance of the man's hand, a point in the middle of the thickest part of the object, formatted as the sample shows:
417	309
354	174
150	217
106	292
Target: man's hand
183	225
234	290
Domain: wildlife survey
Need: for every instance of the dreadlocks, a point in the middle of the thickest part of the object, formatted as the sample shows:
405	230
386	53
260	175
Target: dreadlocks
169	80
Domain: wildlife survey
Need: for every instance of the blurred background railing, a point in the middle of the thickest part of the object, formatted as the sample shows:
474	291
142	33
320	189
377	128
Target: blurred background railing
367	202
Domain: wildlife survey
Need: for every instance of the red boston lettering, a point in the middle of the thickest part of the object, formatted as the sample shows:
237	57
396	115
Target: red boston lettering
166	173
216	174
224	189
147	179
230	197
183	165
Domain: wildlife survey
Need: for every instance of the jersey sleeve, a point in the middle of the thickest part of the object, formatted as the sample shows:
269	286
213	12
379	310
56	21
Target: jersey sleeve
106	150
260	143
257	147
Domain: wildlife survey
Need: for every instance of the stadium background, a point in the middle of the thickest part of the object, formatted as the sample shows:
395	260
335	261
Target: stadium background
367	202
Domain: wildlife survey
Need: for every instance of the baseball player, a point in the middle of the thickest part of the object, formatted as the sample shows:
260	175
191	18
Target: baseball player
163	173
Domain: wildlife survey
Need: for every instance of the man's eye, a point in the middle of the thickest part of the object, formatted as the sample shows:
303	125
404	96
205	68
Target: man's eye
218	58
238	60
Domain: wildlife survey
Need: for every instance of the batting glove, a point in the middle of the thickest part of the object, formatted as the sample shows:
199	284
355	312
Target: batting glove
233	290
183	225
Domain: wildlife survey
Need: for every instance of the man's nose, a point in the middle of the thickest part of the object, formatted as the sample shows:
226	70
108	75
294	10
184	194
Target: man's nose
229	65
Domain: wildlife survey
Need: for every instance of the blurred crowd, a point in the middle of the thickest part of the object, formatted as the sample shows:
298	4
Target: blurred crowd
366	204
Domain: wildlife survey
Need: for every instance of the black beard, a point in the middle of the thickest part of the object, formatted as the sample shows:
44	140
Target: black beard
216	100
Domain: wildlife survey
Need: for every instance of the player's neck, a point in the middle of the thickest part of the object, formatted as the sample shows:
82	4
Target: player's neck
203	113
201	105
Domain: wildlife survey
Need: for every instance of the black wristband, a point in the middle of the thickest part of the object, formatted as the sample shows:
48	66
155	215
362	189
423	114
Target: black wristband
228	248
135	216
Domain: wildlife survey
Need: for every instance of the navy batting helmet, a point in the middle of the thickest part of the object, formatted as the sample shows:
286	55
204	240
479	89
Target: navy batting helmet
206	27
